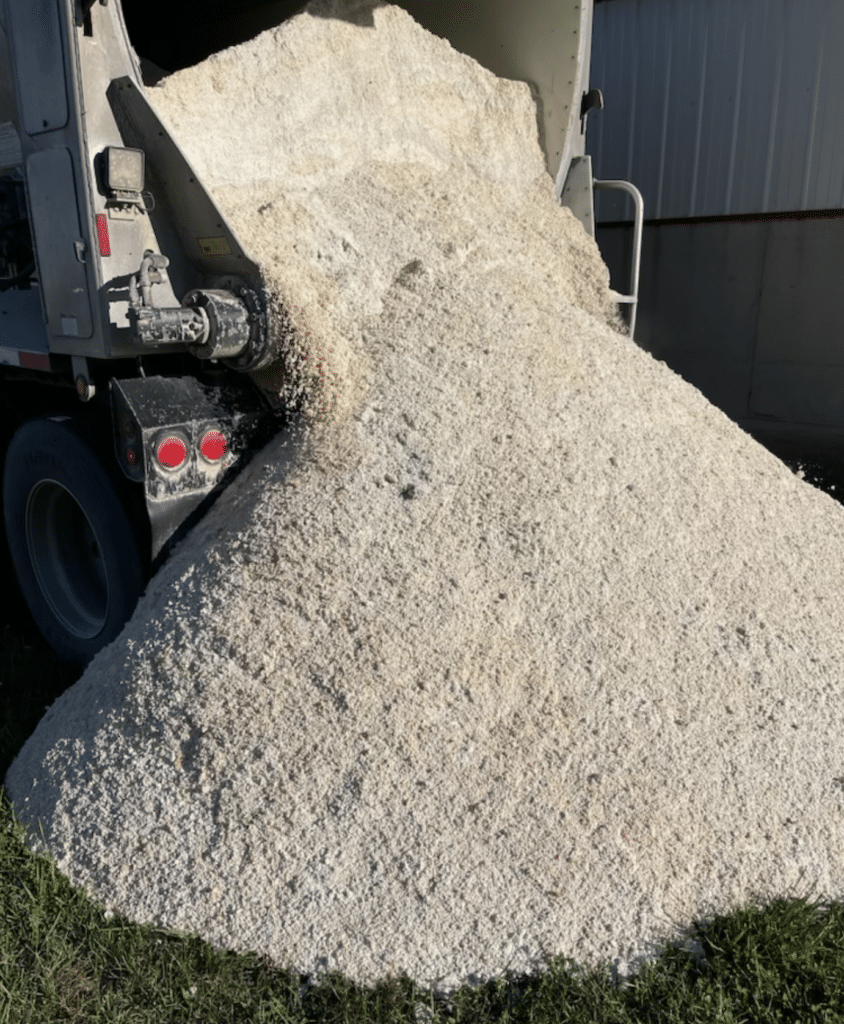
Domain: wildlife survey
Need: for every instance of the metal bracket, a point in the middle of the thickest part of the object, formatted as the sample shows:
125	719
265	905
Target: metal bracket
85	387
577	192
591	100
579	196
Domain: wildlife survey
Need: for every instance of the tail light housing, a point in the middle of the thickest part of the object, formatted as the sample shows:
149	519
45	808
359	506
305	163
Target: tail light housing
213	446
171	450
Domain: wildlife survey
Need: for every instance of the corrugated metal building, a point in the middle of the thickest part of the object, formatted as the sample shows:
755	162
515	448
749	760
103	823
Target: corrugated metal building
728	115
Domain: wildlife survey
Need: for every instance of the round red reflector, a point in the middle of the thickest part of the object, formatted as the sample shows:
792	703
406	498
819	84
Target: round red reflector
213	445
172	452
131	457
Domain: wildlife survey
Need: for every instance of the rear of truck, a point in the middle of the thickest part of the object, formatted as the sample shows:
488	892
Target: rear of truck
131	315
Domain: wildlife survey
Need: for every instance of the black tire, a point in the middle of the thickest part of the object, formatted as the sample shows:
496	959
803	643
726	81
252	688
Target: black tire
75	553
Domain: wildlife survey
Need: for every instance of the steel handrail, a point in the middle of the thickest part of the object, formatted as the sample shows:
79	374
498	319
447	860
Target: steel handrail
638	217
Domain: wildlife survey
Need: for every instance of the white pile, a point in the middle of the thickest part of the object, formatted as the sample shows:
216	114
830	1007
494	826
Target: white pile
523	648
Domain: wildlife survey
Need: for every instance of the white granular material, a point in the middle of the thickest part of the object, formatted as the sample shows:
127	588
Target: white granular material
519	647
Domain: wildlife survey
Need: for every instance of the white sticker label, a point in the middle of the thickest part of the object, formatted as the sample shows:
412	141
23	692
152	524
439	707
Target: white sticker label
70	326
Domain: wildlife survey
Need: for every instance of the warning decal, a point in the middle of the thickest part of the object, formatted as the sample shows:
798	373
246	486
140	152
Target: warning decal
214	246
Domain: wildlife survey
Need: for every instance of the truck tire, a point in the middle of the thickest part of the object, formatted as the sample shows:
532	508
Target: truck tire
74	550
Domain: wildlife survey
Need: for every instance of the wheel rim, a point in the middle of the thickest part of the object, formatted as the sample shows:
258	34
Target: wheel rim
67	559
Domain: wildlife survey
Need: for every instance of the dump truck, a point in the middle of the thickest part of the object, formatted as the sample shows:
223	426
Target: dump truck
132	318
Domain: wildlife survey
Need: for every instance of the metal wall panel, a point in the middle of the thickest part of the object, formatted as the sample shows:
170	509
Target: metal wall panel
719	107
798	371
699	301
747	311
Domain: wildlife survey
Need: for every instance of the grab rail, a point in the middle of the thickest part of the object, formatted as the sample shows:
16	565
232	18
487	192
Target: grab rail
638	216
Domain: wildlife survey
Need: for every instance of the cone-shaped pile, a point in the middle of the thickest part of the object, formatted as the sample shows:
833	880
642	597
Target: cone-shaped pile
523	648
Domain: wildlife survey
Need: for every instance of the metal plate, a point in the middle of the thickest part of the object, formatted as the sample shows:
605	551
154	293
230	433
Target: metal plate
39	64
577	192
22	322
56	230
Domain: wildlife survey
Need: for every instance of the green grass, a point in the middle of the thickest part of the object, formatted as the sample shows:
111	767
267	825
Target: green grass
63	960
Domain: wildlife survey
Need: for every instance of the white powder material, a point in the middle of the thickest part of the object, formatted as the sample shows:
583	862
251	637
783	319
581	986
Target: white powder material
324	96
533	653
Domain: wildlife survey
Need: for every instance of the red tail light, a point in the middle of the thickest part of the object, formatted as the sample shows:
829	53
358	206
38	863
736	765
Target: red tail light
102	235
172	452
213	446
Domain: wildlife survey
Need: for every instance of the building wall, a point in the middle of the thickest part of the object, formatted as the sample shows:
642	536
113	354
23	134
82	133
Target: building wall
747	311
728	115
719	107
